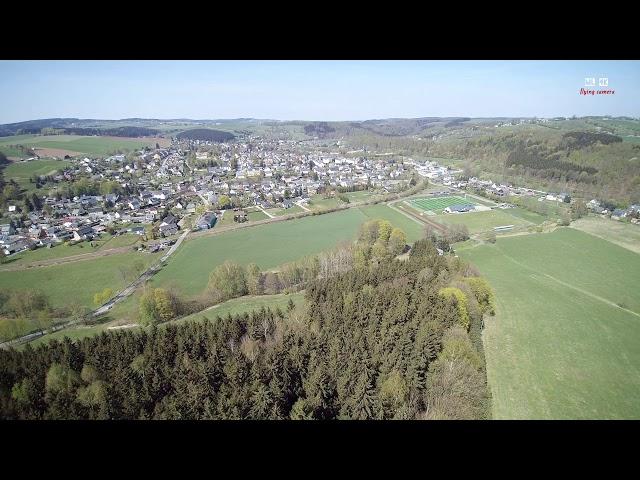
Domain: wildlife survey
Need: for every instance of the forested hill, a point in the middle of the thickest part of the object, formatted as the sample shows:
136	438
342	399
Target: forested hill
589	164
381	340
206	134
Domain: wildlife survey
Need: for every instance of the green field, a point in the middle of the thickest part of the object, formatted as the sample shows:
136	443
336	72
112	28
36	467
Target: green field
624	234
245	304
77	143
66	250
267	245
560	346
478	222
318	202
21	172
279	212
439	203
256	215
76	281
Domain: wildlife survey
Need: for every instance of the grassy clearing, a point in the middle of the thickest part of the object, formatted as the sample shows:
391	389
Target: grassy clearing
67	250
73	333
256	215
12	151
559	346
21	172
318	202
245	304
279	212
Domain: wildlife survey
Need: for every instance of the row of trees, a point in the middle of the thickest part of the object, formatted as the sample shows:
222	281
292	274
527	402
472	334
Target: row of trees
391	339
22	312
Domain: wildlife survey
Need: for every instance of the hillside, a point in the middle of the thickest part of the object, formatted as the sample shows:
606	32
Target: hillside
390	340
206	134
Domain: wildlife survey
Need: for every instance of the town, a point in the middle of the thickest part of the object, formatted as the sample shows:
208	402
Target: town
191	184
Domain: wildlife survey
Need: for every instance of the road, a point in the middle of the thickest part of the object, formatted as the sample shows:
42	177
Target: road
140	280
156	267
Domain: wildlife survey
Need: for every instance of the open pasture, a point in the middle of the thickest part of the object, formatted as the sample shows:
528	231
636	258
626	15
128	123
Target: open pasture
564	341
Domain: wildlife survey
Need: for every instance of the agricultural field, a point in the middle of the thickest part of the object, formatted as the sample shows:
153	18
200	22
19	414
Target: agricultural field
624	234
267	245
564	341
437	204
78	281
77	144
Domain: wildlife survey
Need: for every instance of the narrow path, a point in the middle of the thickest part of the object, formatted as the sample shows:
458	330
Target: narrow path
573	287
301	205
141	279
265	212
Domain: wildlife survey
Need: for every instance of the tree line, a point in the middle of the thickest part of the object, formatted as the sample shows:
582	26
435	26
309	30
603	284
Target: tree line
389	339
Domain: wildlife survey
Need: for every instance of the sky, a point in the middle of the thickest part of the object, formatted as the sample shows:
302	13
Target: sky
313	90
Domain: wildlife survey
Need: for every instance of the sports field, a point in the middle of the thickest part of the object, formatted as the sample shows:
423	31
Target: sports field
564	341
439	203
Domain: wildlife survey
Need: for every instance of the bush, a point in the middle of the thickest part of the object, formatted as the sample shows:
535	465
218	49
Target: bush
158	305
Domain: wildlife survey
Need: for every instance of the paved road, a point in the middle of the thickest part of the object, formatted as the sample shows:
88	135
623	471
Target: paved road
155	268
151	271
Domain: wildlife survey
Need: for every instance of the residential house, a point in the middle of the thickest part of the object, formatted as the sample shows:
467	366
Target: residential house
206	221
84	233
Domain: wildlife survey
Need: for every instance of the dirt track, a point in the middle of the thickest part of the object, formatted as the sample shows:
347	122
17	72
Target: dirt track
71	258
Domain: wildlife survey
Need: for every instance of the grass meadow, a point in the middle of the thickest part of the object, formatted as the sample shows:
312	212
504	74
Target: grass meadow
564	341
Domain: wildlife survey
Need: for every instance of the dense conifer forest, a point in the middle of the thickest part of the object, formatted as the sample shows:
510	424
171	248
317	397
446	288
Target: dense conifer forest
390	338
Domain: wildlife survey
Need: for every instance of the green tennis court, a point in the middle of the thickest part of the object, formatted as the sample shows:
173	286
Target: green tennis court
439	203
